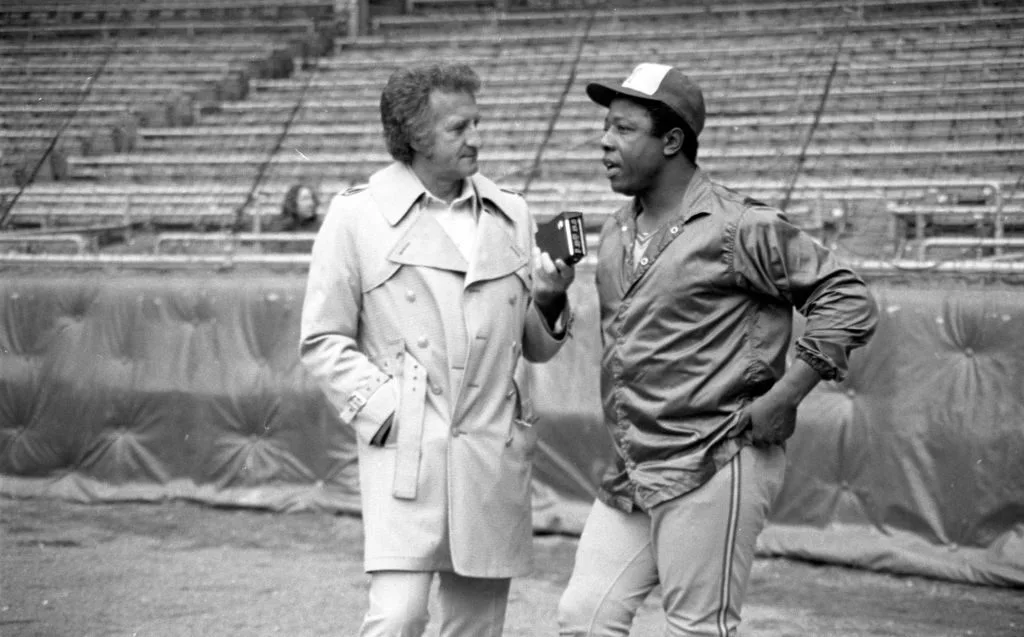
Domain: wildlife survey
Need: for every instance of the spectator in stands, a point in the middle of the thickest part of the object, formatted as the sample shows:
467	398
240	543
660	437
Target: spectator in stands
425	293
300	210
696	287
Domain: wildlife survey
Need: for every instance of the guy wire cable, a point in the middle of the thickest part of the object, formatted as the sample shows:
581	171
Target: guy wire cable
818	112
5	209
278	143
553	120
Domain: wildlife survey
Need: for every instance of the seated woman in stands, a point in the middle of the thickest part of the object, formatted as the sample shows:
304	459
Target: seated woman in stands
299	211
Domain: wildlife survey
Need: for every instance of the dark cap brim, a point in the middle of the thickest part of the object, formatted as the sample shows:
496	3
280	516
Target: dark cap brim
603	94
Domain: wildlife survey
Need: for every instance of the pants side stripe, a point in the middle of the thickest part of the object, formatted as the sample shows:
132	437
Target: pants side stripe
735	474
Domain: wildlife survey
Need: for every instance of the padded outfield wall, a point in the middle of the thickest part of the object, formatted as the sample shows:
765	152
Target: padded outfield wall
121	386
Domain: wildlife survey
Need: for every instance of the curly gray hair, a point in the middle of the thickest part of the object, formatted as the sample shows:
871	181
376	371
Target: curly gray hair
405	104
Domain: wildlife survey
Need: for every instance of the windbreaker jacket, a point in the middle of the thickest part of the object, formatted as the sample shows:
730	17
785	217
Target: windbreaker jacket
701	326
396	321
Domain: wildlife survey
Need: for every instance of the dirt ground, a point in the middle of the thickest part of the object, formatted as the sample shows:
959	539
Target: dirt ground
184	570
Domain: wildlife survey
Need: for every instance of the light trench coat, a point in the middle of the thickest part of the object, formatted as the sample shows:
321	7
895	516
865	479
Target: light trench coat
396	321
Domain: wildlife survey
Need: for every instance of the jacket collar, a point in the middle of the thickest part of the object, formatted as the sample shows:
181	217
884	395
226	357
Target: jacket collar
697	200
425	243
396	188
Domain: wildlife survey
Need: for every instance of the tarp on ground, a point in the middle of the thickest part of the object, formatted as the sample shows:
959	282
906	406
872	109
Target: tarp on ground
121	386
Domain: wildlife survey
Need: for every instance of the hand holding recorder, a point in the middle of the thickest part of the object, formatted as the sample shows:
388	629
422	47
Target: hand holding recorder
560	245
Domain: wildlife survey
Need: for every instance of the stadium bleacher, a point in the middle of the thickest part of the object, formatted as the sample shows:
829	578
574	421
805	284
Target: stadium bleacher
851	116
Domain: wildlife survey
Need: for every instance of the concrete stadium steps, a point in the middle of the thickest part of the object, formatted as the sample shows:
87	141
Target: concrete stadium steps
128	18
974	43
339	102
821	160
177	110
825	15
125	64
16	96
204	74
598	54
364	89
211	204
876	159
22	166
162	28
965	127
235	44
671	33
79	140
51	90
743	72
23	11
928	90
771	103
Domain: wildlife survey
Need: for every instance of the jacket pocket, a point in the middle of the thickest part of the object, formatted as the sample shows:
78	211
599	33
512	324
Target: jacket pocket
367	427
521	428
383	432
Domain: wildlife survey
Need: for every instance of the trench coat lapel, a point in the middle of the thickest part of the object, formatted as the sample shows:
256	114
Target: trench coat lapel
425	243
497	255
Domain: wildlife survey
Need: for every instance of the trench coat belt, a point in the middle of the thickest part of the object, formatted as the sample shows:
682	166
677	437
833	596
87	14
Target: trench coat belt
411	405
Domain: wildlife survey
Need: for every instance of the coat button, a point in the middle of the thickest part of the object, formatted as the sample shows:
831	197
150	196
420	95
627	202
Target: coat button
410	296
422	341
674	229
644	261
512	300
436	389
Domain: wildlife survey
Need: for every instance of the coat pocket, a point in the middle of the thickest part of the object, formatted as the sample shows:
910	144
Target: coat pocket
370	430
379	430
523	417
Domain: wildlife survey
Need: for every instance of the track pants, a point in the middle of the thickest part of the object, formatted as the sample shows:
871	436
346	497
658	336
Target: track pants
699	547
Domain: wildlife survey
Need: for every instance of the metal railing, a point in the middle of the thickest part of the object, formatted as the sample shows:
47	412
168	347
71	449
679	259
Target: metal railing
231	241
968	242
79	243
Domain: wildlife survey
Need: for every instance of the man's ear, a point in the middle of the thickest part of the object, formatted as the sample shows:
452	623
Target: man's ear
419	144
673	141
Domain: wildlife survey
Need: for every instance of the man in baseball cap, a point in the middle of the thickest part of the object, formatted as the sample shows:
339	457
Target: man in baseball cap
696	287
657	84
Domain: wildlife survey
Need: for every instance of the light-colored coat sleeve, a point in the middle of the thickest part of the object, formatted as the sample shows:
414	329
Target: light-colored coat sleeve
330	322
540	342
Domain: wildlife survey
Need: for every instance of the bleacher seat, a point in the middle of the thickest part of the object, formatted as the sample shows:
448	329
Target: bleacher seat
810	105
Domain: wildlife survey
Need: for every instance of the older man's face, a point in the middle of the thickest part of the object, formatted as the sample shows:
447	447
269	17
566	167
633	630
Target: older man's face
456	138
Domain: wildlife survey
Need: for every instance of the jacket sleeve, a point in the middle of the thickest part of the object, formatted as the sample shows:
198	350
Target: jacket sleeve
330	323
780	260
540	341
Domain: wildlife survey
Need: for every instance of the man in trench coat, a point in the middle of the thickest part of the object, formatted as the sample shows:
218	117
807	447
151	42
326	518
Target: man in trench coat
425	295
